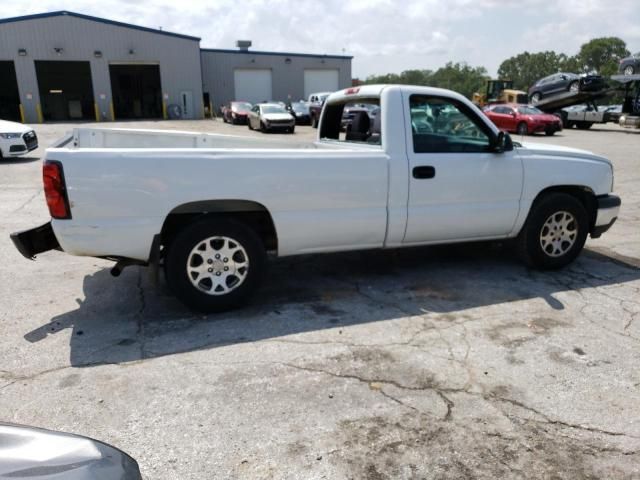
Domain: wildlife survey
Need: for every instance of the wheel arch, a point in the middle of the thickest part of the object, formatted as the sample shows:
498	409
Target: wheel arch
584	194
251	213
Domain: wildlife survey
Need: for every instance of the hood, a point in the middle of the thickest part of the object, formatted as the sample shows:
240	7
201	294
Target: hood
277	116
13	127
33	453
558	151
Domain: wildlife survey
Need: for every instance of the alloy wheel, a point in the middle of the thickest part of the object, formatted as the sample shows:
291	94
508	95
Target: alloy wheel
558	234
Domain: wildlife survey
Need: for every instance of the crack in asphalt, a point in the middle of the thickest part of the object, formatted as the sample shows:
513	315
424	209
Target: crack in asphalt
31	199
140	331
441	391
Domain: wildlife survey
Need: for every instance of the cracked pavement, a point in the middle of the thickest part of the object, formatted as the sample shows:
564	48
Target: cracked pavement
447	362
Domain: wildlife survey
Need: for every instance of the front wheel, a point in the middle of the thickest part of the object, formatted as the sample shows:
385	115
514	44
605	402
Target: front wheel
554	233
522	128
214	264
574	87
628	70
535	98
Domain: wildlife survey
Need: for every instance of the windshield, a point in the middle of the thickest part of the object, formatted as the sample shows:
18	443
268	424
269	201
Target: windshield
300	107
529	111
272	109
240	106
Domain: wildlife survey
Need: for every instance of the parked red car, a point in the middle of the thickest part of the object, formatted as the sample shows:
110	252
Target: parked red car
236	112
523	119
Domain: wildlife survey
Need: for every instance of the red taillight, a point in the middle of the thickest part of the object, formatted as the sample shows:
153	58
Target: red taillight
55	190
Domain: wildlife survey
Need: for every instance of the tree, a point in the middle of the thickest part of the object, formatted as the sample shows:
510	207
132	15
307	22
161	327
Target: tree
459	77
524	69
602	55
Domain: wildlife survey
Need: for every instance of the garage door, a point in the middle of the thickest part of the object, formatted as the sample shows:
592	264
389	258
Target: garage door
9	98
252	85
66	90
320	81
136	91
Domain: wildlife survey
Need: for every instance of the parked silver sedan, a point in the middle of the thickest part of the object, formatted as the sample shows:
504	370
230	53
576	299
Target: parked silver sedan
270	116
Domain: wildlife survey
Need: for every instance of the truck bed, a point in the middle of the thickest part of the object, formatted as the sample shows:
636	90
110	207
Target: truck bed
139	139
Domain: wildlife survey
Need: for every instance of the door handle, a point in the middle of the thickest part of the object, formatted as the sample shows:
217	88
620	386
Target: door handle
424	171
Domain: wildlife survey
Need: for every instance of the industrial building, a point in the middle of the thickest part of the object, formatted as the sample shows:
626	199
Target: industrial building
255	76
65	66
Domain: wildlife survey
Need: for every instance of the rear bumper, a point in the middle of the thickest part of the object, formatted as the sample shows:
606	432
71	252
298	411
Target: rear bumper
607	214
36	240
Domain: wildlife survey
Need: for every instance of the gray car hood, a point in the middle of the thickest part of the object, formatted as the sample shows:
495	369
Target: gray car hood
33	453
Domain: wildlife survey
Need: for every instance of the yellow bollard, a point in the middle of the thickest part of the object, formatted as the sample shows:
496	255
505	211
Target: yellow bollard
97	111
164	110
21	113
39	113
113	115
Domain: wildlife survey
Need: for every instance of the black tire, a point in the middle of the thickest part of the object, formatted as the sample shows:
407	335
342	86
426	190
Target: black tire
314	122
292	130
529	244
179	253
522	129
549	132
263	128
249	124
584	125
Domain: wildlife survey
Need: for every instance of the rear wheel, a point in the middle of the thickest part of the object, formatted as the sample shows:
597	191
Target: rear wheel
215	264
535	97
554	233
574	87
292	130
584	125
522	128
549	132
628	70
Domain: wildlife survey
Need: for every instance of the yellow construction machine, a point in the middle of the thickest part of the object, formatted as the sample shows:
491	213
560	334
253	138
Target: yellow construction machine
500	91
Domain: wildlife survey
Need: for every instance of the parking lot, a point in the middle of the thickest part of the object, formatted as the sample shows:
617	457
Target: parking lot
442	362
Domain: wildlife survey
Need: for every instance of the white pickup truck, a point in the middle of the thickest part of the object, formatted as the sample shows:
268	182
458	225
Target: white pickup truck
430	168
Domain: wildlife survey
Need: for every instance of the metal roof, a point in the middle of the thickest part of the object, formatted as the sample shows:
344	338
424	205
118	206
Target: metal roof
61	13
283	54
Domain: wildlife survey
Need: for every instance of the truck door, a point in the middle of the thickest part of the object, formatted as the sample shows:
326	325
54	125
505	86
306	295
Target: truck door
458	189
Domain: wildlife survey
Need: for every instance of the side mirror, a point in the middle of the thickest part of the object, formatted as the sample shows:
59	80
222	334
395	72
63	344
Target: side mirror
501	143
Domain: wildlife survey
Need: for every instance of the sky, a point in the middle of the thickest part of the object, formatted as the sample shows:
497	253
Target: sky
384	36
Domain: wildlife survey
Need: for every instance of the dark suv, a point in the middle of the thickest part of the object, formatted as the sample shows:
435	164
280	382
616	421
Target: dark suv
630	65
564	82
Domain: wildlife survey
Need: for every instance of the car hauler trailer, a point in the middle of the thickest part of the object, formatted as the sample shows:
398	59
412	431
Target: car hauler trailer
630	117
584	119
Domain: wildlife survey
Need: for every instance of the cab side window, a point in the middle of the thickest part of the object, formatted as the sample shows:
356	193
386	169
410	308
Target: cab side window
444	125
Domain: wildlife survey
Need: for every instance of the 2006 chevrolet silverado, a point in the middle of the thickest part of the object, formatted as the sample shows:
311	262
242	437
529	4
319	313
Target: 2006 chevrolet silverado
430	169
